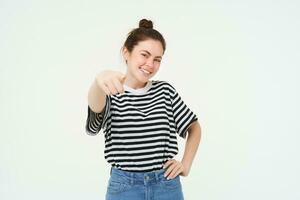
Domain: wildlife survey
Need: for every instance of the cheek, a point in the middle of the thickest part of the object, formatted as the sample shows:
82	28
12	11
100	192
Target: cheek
140	60
157	66
137	61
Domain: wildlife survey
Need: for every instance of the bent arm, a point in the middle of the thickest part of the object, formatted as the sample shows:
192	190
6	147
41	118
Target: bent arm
191	146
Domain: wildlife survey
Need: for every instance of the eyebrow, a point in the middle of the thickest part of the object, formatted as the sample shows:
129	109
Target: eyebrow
150	53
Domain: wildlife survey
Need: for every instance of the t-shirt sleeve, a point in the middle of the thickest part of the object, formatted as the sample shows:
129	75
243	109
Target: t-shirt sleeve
183	116
96	121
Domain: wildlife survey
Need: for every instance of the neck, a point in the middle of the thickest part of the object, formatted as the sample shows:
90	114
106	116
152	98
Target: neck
135	84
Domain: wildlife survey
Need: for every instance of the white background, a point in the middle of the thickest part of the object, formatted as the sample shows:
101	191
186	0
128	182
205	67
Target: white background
235	63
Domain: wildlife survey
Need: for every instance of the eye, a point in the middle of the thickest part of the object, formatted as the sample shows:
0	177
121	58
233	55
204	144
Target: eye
144	55
158	60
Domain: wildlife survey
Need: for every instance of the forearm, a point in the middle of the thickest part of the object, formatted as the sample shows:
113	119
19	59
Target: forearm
96	98
191	146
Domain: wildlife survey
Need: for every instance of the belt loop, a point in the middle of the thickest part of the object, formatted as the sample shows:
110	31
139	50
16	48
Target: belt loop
132	177
156	175
110	170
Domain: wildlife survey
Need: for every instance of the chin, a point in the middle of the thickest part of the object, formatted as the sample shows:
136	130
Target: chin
144	80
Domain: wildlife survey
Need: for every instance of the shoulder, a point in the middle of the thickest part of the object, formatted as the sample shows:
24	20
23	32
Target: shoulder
163	85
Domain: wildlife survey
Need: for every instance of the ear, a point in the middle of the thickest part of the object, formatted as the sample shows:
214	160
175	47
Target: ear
125	53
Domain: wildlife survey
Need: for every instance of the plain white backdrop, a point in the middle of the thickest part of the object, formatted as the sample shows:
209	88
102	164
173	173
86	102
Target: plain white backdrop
235	63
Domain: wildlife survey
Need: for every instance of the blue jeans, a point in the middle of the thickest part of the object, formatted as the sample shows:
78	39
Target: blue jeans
124	185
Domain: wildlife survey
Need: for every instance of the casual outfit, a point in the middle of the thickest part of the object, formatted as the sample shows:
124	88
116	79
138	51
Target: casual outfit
140	128
124	185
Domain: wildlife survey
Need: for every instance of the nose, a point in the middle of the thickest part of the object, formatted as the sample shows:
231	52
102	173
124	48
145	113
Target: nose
150	63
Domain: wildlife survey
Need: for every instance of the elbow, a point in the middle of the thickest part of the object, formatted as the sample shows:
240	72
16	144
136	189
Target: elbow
195	130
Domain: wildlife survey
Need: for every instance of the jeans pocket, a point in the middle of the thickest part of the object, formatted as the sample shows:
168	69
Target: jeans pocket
172	183
115	187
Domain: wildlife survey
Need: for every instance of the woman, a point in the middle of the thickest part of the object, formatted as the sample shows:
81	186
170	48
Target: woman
140	118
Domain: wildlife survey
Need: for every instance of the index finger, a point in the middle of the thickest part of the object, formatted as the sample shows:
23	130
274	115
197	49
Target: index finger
168	163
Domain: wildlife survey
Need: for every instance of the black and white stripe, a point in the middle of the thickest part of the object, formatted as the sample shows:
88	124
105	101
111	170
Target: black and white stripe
140	128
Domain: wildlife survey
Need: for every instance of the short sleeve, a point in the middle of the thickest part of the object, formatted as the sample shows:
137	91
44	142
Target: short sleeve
183	116
96	121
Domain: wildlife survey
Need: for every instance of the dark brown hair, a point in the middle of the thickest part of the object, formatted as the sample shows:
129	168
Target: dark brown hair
143	32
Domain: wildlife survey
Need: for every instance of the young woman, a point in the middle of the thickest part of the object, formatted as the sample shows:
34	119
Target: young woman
140	118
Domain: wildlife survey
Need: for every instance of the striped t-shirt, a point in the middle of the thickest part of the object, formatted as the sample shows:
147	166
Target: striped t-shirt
140	126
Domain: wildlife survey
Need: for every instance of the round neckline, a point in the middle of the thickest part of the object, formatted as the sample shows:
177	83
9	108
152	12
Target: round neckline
142	90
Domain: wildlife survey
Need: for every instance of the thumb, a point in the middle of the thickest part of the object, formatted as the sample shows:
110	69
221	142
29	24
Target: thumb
166	165
122	78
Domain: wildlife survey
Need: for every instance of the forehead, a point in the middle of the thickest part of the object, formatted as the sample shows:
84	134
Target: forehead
152	46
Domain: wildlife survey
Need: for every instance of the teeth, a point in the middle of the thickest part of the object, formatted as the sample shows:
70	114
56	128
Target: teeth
145	71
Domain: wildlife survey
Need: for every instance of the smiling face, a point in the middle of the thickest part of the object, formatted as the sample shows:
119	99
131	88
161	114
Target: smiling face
143	62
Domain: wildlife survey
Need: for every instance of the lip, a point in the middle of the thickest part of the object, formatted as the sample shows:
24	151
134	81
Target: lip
145	71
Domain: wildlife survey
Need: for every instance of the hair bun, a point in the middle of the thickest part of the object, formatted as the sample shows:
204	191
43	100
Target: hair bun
144	23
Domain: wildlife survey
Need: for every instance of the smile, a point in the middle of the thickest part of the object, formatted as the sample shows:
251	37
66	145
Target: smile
145	71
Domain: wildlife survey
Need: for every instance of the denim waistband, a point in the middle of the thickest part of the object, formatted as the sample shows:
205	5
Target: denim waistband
137	177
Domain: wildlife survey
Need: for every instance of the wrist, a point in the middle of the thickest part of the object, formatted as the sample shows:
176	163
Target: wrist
187	166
